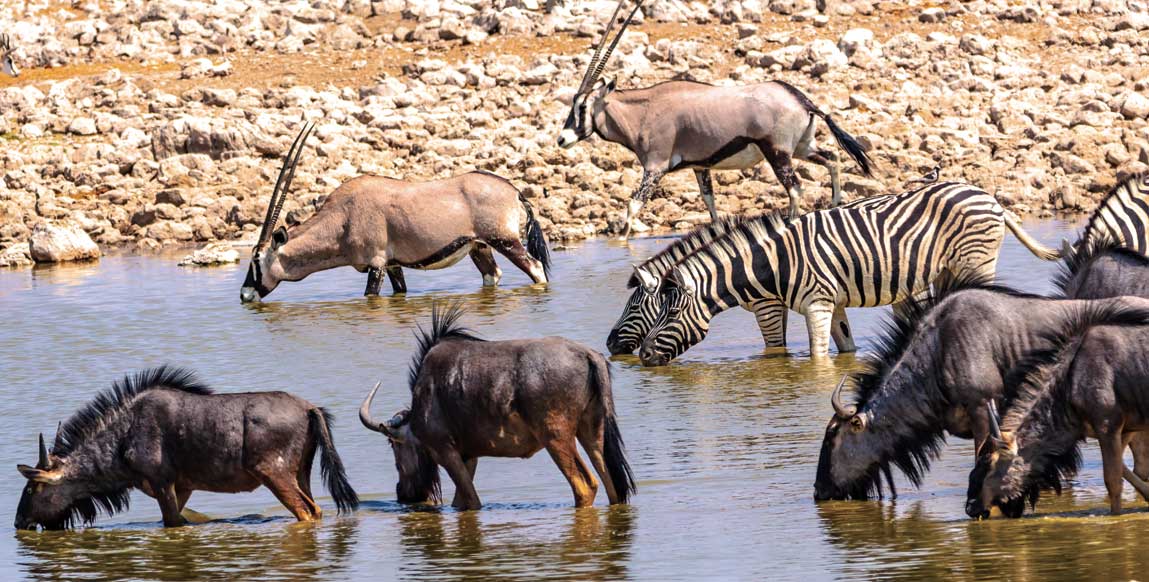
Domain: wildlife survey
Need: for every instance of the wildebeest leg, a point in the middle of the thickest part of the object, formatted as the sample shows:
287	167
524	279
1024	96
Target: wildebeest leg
565	455
784	171
519	257
286	490
830	161
706	187
771	315
590	433
484	260
465	496
471	464
398	283
303	483
819	318
645	190
170	505
1139	444
1113	467
374	281
840	331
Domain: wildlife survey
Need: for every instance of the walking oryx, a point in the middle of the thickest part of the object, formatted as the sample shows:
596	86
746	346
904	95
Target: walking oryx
472	398
7	61
376	224
679	124
858	255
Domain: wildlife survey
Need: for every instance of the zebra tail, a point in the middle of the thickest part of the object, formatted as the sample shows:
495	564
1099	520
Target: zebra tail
1039	250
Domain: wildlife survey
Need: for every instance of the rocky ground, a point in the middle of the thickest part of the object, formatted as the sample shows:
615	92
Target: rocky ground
161	122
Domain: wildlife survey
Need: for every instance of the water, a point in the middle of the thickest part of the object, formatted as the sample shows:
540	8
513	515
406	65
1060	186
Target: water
724	441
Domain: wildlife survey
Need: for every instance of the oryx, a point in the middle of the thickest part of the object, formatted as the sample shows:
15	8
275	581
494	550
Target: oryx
682	124
380	224
7	61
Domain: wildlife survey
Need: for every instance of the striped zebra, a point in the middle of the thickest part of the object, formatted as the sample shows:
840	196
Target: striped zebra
1122	216
642	307
819	264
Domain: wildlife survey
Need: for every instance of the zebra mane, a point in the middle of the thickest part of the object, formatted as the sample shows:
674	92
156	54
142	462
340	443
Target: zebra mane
444	326
1126	188
756	227
661	263
108	404
1087	251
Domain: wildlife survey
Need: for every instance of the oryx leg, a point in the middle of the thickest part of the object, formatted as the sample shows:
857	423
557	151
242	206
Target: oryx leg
830	161
519	257
645	190
1113	467
819	318
484	260
374	281
771	315
398	283
784	171
706	187
840	331
472	465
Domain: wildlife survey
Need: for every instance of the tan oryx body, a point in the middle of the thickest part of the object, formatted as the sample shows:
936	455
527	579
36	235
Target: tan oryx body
7	61
379	224
678	125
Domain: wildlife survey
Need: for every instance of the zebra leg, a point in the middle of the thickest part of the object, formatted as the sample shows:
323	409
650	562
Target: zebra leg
771	316
398	283
840	331
784	171
819	317
484	260
706	187
374	281
646	188
832	163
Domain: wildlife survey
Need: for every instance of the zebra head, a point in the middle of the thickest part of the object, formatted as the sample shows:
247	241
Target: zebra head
638	315
683	320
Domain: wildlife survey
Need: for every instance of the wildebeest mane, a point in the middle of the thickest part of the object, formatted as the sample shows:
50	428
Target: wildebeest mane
1089	250
696	237
444	327
108	404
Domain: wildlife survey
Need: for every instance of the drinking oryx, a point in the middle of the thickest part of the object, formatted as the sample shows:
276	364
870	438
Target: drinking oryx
7	60
681	124
379	224
858	255
472	398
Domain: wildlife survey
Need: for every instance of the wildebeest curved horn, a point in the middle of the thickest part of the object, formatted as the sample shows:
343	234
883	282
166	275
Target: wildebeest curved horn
599	66
588	77
365	412
43	462
283	184
994	427
836	401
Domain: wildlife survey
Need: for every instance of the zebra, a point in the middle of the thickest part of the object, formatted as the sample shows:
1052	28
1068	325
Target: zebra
861	255
1123	216
642	307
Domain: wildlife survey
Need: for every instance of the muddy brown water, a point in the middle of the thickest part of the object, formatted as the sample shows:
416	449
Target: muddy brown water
724	441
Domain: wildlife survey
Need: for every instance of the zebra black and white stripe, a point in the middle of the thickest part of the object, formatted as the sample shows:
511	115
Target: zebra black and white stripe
1122	216
854	256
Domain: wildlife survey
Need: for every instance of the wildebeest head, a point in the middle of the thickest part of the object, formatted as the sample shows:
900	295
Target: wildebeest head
265	273
7	56
588	99
418	472
849	463
53	498
638	315
683	321
1000	476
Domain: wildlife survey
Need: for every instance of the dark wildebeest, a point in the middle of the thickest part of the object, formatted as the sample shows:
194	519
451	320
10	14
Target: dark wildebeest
939	363
163	432
1094	383
472	398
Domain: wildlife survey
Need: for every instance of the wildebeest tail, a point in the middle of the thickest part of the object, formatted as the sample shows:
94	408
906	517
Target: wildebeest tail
1039	250
614	450
536	239
845	140
330	465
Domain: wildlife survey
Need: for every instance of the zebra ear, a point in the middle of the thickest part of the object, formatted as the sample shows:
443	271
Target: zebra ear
648	282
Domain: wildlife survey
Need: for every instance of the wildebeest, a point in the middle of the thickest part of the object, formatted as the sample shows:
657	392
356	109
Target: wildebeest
1103	267
472	398
937	366
377	224
677	125
163	432
1095	383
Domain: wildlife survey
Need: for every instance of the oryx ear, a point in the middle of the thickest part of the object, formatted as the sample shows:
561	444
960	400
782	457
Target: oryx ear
292	218
645	279
609	85
279	237
39	475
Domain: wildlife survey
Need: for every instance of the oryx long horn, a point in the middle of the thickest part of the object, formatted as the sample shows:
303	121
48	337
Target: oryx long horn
43	462
587	77
836	400
365	411
601	65
994	427
282	183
